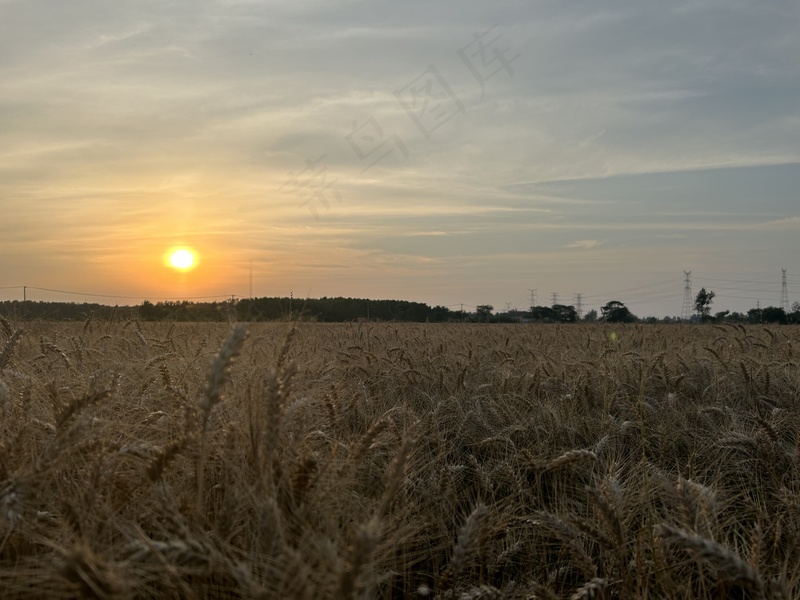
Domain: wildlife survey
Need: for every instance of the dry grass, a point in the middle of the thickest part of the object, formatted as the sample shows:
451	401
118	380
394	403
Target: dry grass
382	460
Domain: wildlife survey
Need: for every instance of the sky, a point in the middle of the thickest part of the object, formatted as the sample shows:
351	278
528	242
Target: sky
447	151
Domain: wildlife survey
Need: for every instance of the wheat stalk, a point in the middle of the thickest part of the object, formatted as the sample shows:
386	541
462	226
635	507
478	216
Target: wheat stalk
218	375
569	458
727	562
8	349
591	589
6	326
358	557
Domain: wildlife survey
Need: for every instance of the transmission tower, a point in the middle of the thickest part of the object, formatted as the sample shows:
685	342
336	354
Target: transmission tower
686	311
533	298
578	305
554	295
784	293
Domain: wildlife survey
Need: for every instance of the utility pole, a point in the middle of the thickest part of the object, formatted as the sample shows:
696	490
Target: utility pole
24	293
784	293
251	279
686	311
578	305
462	312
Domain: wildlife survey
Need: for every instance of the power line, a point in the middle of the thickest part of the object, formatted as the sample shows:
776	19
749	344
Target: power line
737	297
755	288
663	297
642	294
750	282
638	288
31	287
738	289
91	295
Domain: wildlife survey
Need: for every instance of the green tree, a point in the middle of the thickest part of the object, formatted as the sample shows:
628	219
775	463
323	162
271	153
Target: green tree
565	314
773	314
484	311
794	316
590	316
754	315
545	314
440	314
616	312
702	304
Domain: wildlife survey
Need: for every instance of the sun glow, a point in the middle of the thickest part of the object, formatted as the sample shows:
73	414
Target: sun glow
181	258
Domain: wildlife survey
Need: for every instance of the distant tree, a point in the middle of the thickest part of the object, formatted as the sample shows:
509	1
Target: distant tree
773	314
147	311
440	314
754	315
544	314
721	315
616	312
794	316
483	312
505	318
702	304
565	314
590	316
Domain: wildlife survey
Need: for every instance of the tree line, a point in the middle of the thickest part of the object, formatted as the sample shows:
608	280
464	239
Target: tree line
339	309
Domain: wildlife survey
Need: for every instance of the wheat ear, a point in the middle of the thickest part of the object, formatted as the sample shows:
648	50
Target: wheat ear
727	562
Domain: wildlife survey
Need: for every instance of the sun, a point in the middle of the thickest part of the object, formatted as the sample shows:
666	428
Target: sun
181	258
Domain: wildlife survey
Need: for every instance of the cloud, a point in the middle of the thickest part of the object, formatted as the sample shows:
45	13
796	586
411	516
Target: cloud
585	244
791	222
124	126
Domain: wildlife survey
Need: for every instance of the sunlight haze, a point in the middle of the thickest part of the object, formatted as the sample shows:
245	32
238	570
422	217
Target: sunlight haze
443	152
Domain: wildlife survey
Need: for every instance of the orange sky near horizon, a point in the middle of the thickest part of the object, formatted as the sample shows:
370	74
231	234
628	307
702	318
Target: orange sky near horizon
623	144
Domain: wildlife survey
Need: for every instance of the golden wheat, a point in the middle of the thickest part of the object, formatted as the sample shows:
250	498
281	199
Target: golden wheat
375	460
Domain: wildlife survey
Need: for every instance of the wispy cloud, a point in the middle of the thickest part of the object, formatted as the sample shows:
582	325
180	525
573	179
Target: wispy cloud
585	244
790	222
635	128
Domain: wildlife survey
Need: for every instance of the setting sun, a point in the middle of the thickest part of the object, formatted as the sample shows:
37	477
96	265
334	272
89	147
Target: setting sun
181	259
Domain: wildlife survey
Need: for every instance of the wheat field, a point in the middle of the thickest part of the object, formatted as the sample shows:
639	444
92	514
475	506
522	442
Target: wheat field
375	460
